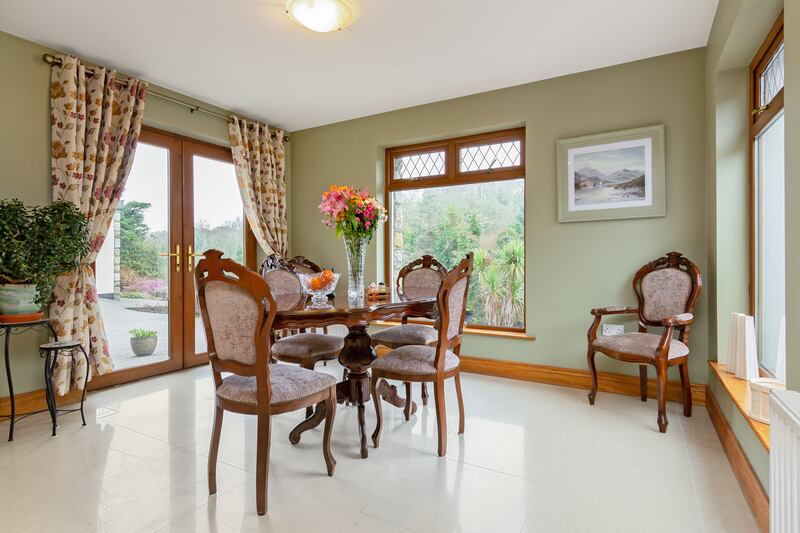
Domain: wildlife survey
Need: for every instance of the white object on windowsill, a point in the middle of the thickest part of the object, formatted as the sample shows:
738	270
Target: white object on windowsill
748	368
745	360
732	356
757	401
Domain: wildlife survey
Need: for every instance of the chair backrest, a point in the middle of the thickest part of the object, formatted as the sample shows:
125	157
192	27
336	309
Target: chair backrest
421	277
452	304
238	310
272	262
302	265
280	277
668	286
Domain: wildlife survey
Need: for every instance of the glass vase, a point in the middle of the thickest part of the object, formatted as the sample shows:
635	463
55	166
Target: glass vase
356	249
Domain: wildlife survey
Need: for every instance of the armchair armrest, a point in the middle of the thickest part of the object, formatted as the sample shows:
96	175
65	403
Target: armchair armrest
600	312
614	310
682	319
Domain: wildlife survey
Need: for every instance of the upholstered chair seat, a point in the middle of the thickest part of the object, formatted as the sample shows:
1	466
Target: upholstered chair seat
305	346
288	383
404	335
414	360
642	344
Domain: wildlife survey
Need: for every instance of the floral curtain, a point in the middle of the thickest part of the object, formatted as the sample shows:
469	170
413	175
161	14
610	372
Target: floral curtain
95	122
259	158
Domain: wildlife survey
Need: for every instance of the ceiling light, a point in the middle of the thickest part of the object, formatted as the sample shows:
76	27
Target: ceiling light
320	15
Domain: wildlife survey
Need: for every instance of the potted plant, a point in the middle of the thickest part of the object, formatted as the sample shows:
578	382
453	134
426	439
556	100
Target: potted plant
143	341
38	244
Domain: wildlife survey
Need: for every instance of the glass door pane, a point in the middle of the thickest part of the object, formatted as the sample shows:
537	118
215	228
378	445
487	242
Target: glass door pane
133	280
218	220
771	263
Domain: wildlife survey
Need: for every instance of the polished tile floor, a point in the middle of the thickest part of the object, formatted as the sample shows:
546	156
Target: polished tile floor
534	458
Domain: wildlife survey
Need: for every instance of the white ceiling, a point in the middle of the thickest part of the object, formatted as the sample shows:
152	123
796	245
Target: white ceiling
248	56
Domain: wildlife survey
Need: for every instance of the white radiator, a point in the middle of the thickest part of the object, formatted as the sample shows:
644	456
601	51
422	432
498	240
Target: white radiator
784	462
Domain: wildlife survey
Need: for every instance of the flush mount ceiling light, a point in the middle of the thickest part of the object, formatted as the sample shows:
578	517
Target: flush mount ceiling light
320	15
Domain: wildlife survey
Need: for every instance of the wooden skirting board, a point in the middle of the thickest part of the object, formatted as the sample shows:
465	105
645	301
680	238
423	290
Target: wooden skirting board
553	375
27	402
754	493
576	378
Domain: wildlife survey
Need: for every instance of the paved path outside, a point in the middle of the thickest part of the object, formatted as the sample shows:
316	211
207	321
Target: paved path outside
120	317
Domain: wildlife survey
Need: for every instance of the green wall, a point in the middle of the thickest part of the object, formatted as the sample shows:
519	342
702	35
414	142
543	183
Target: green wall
25	154
570	267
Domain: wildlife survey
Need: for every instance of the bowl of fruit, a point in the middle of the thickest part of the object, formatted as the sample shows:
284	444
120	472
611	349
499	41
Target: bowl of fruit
319	286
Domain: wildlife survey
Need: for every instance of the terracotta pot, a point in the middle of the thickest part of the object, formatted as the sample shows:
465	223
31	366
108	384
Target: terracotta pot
142	346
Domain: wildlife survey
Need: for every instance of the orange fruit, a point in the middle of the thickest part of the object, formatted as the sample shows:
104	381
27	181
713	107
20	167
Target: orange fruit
317	283
326	275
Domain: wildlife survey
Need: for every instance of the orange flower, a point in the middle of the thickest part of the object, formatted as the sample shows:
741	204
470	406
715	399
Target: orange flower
56	90
58	151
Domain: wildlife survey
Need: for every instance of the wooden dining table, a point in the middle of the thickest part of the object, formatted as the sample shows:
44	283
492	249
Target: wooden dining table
295	312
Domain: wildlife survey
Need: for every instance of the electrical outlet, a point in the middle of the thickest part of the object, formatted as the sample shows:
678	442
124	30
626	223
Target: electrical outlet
613	329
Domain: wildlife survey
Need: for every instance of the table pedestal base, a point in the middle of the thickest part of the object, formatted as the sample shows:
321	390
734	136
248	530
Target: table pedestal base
357	356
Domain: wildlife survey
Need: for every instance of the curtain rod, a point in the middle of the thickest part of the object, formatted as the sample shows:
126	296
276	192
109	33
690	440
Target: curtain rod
53	60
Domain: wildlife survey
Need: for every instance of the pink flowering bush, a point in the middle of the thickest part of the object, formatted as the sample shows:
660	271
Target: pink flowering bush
135	286
155	287
353	211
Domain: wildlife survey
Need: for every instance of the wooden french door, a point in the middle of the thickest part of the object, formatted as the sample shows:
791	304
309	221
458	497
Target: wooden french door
213	217
181	198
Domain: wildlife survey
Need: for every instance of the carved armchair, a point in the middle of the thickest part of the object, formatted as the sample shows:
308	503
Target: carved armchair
667	290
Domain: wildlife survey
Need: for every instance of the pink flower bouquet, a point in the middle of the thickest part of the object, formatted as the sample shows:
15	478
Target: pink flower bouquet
353	211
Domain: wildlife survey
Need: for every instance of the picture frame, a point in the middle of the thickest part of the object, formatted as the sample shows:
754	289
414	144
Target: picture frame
611	176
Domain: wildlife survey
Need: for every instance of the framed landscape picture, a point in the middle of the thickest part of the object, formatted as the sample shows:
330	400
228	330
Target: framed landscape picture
612	175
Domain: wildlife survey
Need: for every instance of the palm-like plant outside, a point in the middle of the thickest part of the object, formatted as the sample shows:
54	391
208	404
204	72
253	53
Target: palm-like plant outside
492	291
501	283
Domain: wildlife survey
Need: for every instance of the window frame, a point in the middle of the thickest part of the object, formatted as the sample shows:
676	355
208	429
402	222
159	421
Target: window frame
760	118
454	176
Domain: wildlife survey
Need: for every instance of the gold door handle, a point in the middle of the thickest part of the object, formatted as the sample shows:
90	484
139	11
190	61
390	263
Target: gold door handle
176	255
190	258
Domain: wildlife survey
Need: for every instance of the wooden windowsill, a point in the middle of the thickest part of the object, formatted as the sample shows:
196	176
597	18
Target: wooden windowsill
521	335
738	390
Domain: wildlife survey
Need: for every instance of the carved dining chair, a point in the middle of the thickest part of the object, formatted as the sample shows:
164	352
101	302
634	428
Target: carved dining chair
667	290
420	278
432	364
303	348
238	309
